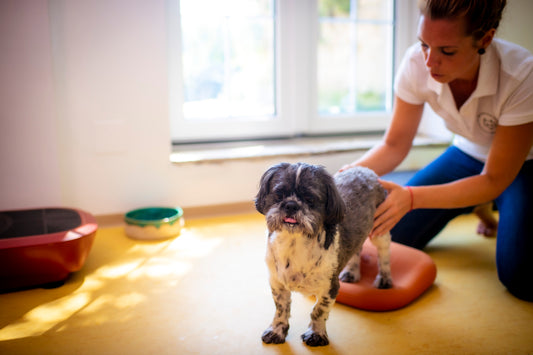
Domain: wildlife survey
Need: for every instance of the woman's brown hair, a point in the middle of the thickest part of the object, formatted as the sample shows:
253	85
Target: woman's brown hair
480	15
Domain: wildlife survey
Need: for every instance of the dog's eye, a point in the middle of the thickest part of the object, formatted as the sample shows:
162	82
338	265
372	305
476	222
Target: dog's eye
310	200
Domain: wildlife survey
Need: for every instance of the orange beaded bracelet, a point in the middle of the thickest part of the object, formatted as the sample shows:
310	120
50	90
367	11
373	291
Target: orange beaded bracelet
412	199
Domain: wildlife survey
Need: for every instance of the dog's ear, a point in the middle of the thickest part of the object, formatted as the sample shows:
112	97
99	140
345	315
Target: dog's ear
335	209
265	188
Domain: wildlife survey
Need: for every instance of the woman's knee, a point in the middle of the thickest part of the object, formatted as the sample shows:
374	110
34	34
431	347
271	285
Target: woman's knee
513	254
515	230
518	284
513	257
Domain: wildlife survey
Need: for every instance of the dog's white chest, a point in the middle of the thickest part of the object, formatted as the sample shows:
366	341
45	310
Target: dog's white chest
300	263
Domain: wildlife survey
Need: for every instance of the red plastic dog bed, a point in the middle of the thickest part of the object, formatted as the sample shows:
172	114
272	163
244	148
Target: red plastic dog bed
413	272
43	246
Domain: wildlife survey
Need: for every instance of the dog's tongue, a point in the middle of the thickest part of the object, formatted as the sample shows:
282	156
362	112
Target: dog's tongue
289	220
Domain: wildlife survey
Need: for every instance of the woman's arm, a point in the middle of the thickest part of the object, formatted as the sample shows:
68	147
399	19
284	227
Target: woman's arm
508	152
397	142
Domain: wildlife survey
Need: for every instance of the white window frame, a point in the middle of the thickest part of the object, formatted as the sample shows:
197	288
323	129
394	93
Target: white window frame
296	80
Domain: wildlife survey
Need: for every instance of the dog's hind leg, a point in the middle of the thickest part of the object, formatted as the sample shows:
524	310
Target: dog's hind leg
277	331
352	271
384	278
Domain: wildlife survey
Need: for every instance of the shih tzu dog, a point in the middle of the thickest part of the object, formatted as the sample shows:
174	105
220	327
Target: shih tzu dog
316	228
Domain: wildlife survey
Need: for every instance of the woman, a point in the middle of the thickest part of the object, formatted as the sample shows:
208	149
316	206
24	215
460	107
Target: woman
483	89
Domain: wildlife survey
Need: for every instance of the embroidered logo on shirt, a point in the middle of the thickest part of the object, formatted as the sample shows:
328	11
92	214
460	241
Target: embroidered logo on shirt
487	122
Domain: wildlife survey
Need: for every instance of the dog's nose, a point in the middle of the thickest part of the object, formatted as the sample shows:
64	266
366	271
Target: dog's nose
290	207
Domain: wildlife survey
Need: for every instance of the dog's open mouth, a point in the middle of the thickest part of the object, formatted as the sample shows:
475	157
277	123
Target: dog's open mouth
290	221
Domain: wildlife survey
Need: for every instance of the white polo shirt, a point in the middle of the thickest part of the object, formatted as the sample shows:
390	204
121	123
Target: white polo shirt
503	95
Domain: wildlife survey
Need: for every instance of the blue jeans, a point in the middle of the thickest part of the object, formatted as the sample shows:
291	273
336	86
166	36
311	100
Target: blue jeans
514	246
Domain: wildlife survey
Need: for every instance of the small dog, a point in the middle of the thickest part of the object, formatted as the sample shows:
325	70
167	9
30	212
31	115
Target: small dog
316	228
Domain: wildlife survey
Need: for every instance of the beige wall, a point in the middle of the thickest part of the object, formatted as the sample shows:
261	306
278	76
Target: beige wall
517	24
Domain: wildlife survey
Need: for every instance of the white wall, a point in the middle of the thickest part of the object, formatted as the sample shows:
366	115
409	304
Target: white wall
28	153
84	110
85	121
517	24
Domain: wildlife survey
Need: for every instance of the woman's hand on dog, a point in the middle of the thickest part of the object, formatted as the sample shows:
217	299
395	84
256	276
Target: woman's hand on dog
390	211
345	167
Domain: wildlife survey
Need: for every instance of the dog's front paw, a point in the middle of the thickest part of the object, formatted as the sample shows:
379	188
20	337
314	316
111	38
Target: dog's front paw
312	338
348	277
382	282
270	336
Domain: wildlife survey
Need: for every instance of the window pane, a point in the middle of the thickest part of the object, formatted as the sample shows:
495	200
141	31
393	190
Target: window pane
355	56
228	58
334	8
375	10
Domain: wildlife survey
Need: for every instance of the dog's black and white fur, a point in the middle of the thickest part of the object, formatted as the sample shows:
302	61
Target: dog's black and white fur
316	229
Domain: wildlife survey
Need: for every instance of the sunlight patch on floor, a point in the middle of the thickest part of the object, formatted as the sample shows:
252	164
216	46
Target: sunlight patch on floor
167	261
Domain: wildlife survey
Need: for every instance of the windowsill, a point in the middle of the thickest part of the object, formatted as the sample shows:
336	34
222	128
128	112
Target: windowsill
309	146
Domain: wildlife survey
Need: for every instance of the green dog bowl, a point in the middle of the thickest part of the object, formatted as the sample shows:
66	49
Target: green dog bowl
153	223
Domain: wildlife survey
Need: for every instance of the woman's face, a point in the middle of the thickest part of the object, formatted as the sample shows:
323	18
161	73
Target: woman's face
448	53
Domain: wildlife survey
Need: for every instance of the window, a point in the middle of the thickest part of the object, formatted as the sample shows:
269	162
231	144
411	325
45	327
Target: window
245	69
228	59
354	38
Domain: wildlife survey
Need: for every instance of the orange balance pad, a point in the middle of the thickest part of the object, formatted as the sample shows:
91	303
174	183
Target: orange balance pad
413	272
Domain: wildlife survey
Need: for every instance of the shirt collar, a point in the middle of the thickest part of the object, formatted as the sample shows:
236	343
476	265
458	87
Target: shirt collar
488	80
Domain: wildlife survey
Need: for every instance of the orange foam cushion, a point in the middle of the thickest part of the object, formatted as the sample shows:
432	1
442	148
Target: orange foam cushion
413	272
